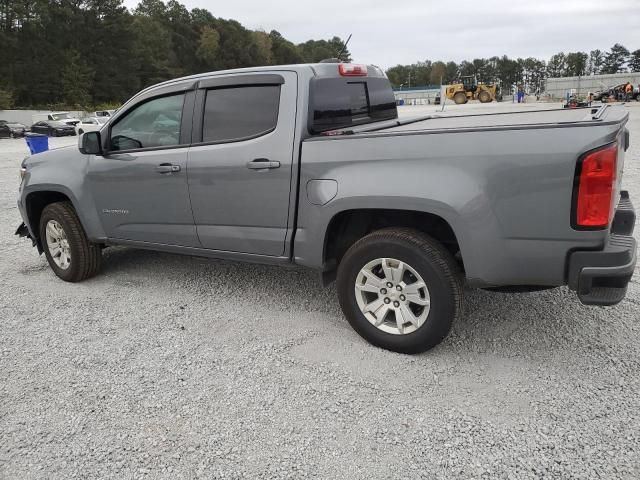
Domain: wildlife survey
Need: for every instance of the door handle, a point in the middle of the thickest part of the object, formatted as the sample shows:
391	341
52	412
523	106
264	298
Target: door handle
262	164
167	168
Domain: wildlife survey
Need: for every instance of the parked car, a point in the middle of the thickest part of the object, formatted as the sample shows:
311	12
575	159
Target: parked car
53	128
310	165
90	124
103	113
64	117
12	129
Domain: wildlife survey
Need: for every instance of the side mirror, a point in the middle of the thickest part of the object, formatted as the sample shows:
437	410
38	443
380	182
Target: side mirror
91	143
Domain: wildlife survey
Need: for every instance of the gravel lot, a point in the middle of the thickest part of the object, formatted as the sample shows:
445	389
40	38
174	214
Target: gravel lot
178	367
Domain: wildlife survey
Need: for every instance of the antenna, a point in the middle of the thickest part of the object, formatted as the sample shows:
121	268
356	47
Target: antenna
344	47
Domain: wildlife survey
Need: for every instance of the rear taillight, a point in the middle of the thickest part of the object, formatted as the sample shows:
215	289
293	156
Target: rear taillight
352	70
595	188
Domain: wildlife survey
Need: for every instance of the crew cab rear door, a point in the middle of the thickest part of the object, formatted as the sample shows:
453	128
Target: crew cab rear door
240	162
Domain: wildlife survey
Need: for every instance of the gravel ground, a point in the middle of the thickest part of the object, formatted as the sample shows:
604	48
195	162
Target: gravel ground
175	367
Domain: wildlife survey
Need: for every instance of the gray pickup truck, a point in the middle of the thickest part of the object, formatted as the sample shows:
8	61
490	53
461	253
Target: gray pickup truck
310	165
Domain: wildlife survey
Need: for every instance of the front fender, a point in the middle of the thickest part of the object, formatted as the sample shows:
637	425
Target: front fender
62	171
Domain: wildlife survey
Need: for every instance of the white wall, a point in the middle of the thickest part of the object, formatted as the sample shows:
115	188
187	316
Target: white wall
558	87
28	117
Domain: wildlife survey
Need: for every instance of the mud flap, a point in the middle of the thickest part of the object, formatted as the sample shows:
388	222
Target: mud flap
23	231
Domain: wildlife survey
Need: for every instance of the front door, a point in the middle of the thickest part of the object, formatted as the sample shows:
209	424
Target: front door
140	184
240	165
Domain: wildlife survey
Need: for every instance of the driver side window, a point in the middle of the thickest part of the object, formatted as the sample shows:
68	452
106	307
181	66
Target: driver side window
155	123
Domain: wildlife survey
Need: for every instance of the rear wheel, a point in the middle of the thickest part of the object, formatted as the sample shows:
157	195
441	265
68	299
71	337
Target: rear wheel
400	290
484	97
460	98
70	254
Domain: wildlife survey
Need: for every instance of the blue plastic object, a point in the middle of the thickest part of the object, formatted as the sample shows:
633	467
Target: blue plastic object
37	142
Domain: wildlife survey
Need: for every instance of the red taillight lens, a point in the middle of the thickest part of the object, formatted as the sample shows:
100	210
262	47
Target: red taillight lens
352	70
594	206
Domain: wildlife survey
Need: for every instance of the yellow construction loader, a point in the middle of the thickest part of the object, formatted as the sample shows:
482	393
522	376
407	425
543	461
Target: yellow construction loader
470	89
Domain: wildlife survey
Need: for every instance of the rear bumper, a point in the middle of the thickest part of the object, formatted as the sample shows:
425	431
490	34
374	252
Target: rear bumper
601	277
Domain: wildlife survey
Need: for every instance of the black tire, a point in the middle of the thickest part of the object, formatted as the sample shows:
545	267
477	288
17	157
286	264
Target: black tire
484	97
460	98
85	255
430	260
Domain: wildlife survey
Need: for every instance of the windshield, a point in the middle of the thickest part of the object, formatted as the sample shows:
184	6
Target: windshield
60	116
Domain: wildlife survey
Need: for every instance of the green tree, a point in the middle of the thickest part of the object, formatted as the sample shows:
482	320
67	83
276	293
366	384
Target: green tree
316	50
77	79
508	72
557	65
576	64
634	61
596	59
615	60
264	47
451	72
284	52
418	74
6	98
208	45
533	74
467	68
152	49
438	73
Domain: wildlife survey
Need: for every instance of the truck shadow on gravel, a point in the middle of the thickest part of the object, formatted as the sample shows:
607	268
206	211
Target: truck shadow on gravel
502	323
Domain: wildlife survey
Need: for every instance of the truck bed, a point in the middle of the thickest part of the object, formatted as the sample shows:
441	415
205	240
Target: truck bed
503	183
501	120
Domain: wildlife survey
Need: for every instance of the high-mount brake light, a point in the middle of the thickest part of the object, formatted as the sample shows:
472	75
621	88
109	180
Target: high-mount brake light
595	189
352	70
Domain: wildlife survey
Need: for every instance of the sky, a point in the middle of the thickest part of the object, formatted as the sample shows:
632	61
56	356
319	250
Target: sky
387	33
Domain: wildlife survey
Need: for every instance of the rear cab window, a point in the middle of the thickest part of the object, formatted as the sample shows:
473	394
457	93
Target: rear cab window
342	102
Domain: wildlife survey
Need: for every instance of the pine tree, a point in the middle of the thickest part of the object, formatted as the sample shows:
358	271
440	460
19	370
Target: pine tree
634	61
615	60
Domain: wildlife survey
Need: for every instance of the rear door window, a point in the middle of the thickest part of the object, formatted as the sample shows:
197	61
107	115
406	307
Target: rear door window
240	113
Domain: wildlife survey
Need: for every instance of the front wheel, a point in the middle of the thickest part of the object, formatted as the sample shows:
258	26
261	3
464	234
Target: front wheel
70	254
400	290
460	98
484	97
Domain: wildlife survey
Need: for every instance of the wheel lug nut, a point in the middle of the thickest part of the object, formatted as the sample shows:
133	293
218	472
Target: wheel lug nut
399	288
389	284
383	291
387	301
403	298
396	304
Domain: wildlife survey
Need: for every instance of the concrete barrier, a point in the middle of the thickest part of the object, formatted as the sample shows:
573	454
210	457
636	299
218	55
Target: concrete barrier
558	87
29	117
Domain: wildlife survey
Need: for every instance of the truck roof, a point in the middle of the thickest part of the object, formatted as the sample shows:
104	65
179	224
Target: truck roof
316	69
